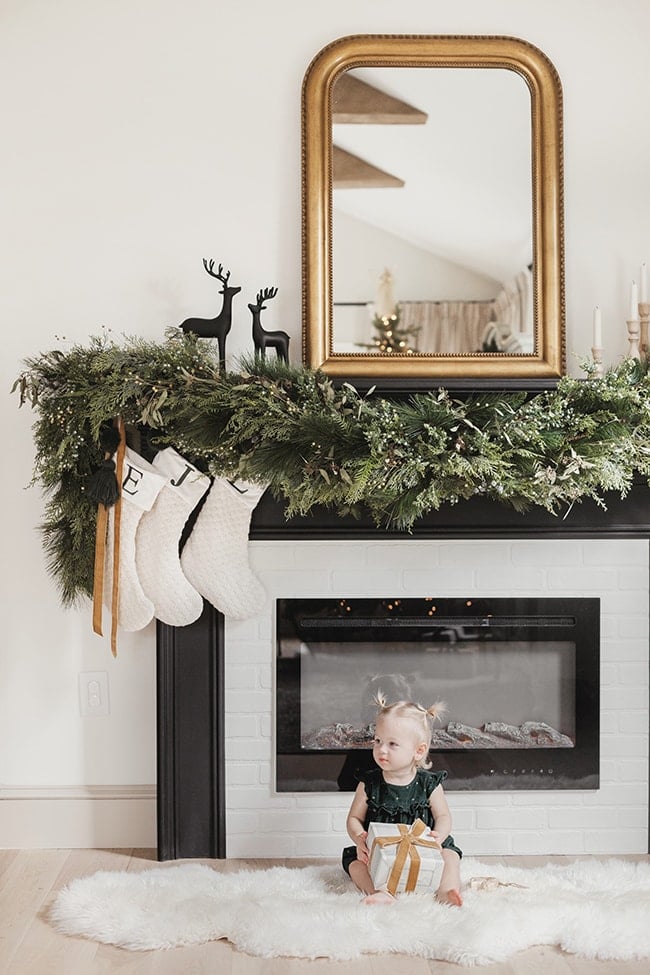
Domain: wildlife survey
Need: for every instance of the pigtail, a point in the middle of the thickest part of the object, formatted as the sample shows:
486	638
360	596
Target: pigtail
437	711
380	702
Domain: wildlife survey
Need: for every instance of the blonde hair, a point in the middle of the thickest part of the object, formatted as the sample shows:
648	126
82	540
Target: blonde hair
423	718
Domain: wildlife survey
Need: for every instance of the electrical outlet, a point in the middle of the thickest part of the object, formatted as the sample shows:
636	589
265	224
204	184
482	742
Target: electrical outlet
93	693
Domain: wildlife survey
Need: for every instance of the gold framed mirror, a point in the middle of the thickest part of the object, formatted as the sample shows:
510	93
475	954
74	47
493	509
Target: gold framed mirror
501	195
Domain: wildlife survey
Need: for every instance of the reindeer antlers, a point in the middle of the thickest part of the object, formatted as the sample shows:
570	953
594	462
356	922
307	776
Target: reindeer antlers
265	295
219	274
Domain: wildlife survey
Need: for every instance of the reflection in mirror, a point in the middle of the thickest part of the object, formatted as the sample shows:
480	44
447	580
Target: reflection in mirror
453	229
432	209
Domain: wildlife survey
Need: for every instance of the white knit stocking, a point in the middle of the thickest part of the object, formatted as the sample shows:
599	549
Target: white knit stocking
176	602
141	485
215	556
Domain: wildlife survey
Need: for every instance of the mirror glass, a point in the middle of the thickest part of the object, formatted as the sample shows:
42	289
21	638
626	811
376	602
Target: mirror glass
432	209
449	243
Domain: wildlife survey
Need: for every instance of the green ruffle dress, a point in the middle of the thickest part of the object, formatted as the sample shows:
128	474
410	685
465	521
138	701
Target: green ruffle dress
399	804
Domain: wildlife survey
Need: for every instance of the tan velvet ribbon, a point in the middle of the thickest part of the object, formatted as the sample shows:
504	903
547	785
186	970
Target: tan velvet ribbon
407	842
100	550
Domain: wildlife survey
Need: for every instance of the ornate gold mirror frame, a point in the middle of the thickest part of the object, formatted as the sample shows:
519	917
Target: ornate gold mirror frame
361	51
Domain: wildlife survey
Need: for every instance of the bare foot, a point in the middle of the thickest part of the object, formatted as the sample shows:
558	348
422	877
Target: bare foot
379	897
450	897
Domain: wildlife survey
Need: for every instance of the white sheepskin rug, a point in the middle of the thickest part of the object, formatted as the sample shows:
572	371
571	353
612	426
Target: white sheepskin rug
590	908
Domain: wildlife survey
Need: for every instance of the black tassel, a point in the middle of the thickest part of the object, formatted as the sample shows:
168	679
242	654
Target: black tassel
109	438
101	486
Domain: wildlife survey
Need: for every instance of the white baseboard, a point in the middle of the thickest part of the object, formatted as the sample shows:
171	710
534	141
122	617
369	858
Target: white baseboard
78	817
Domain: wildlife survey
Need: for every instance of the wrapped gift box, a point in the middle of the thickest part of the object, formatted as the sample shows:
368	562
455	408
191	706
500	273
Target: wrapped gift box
403	858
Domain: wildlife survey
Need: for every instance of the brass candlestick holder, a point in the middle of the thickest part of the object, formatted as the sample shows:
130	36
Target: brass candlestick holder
633	335
644	317
597	357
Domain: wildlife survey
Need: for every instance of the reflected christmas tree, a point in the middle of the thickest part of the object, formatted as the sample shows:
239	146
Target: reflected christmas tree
390	336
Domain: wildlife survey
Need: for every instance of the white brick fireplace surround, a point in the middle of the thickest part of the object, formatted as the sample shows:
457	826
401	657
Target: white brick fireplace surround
610	820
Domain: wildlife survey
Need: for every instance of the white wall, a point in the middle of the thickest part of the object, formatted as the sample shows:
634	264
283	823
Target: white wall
142	135
361	252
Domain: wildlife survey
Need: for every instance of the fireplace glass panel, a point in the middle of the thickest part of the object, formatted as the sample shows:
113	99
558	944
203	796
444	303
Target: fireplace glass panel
519	678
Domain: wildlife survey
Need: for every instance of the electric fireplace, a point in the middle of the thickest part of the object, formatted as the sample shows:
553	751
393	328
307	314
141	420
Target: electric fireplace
520	678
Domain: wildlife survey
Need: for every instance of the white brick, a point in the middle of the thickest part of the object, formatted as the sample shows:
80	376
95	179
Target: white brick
592	581
325	800
265	676
463	820
633	673
247	748
244	823
472	555
251	702
258	798
505	580
365	582
484	844
265	557
295	822
631	649
253	628
633	579
260	847
633	722
584	817
616	841
618	794
620	698
286	583
566	797
632	551
438	581
241	725
248	651
624	602
608	674
634	628
623	746
548	843
324	555
634	817
633	770
422	555
324	845
610	770
241	774
239	677
609	722
545	551
608	628
511	819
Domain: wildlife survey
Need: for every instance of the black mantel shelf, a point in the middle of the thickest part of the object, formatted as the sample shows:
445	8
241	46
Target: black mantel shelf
477	517
190	685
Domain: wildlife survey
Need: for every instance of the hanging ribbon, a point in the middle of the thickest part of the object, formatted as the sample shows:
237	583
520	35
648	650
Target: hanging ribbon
100	549
407	842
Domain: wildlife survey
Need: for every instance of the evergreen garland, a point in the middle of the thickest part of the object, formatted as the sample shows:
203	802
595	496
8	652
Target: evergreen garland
317	444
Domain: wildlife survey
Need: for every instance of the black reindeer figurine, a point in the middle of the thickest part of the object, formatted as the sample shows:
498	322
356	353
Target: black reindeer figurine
262	339
220	326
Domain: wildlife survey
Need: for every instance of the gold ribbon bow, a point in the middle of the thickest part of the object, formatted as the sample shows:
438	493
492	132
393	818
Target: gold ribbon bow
100	549
407	842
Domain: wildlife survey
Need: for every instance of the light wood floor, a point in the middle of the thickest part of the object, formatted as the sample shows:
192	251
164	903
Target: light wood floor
29	880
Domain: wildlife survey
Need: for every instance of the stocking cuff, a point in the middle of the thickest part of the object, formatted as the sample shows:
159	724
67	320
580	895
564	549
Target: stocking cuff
247	492
141	484
188	482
